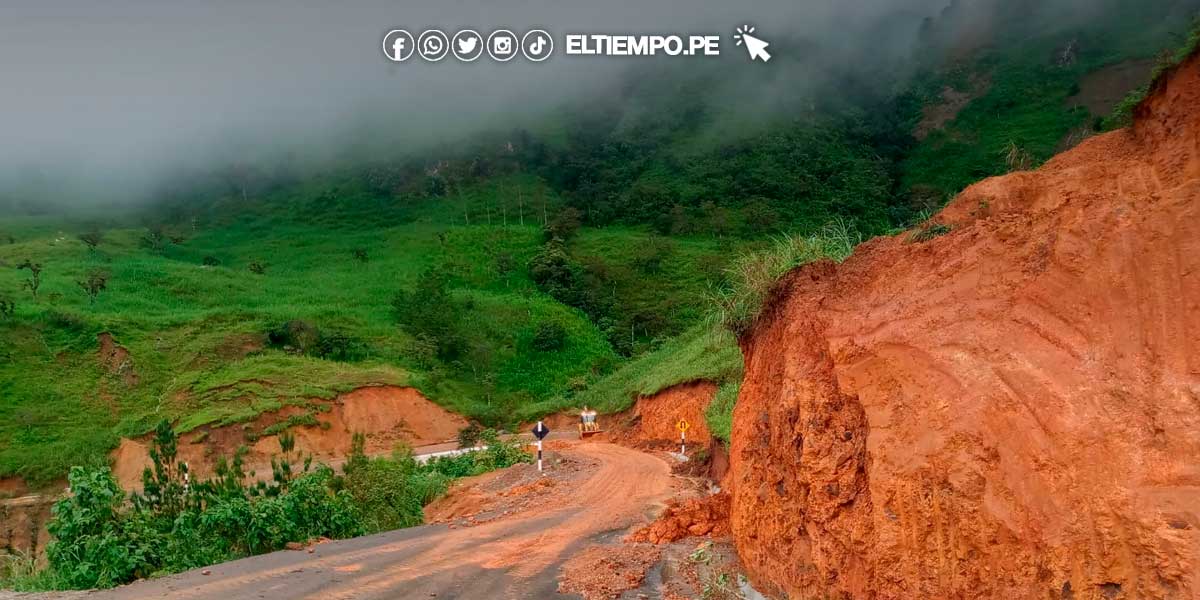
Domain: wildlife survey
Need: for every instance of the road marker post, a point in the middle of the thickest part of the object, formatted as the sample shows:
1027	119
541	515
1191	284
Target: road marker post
682	426
540	431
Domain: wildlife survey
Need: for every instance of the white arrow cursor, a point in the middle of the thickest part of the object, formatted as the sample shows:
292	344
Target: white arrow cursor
755	46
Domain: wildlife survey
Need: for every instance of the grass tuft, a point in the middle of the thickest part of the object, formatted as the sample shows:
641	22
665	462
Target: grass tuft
738	305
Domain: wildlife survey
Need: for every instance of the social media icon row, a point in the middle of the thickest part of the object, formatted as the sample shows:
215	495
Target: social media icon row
467	45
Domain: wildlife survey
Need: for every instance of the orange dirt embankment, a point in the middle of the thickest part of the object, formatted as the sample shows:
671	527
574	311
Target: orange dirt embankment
1011	410
386	414
654	418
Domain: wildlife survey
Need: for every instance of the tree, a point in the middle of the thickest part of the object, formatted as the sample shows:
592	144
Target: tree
565	224
35	276
154	239
92	239
7	308
95	282
428	311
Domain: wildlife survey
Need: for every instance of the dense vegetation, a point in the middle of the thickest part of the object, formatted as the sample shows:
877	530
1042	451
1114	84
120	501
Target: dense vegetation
105	537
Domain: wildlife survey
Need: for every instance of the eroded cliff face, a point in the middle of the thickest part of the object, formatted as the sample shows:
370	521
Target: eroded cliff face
1011	410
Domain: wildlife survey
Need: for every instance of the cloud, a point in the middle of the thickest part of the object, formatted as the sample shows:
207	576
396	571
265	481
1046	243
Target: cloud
109	97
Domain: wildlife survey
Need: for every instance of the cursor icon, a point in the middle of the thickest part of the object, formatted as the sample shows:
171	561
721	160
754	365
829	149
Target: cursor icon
755	46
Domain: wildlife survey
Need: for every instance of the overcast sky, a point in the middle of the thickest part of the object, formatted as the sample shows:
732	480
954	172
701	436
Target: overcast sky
127	89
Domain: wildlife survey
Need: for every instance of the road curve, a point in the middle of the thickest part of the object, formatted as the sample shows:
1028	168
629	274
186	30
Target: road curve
514	557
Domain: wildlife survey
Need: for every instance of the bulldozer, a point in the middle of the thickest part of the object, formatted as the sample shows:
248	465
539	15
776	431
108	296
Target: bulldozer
588	425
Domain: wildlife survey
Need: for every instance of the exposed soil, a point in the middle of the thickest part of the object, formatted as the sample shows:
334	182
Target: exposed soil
1102	90
23	525
386	414
605	572
1011	410
116	360
687	518
654	418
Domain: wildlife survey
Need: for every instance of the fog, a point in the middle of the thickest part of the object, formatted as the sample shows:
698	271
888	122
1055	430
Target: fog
105	100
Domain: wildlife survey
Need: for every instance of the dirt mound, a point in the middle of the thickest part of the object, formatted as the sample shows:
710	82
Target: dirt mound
695	516
23	525
386	414
1009	410
605	572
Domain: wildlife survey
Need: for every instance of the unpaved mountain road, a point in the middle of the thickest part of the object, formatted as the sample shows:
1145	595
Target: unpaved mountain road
514	556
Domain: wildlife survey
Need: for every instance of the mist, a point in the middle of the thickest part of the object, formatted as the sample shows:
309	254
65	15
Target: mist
103	101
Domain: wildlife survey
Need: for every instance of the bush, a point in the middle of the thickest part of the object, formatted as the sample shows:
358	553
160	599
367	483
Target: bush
306	338
430	312
549	337
102	541
468	437
95	543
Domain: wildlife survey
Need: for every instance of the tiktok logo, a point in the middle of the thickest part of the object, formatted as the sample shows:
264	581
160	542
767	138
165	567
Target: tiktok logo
537	45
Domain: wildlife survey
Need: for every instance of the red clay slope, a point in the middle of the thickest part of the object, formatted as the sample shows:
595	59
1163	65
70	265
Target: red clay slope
1011	410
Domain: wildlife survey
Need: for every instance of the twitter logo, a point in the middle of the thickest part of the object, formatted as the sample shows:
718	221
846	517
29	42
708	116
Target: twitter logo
467	45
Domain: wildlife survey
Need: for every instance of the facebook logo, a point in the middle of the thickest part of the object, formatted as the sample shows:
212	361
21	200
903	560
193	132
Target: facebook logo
398	45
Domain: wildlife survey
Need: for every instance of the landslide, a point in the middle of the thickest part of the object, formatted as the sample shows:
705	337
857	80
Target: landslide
1009	410
384	414
655	418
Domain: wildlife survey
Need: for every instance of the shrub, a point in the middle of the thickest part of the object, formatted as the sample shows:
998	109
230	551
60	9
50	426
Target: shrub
95	282
549	337
91	239
155	239
296	334
360	254
91	546
210	261
564	225
258	267
35	276
429	311
468	437
7	308
102	541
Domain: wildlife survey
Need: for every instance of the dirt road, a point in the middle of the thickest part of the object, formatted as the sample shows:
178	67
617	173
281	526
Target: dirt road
517	556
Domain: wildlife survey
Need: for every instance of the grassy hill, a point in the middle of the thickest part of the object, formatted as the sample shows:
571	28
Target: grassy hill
197	321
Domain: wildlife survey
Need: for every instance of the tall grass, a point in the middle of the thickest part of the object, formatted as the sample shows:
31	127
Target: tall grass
736	307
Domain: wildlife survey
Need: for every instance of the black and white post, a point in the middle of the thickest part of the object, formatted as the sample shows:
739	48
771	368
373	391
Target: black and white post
540	431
